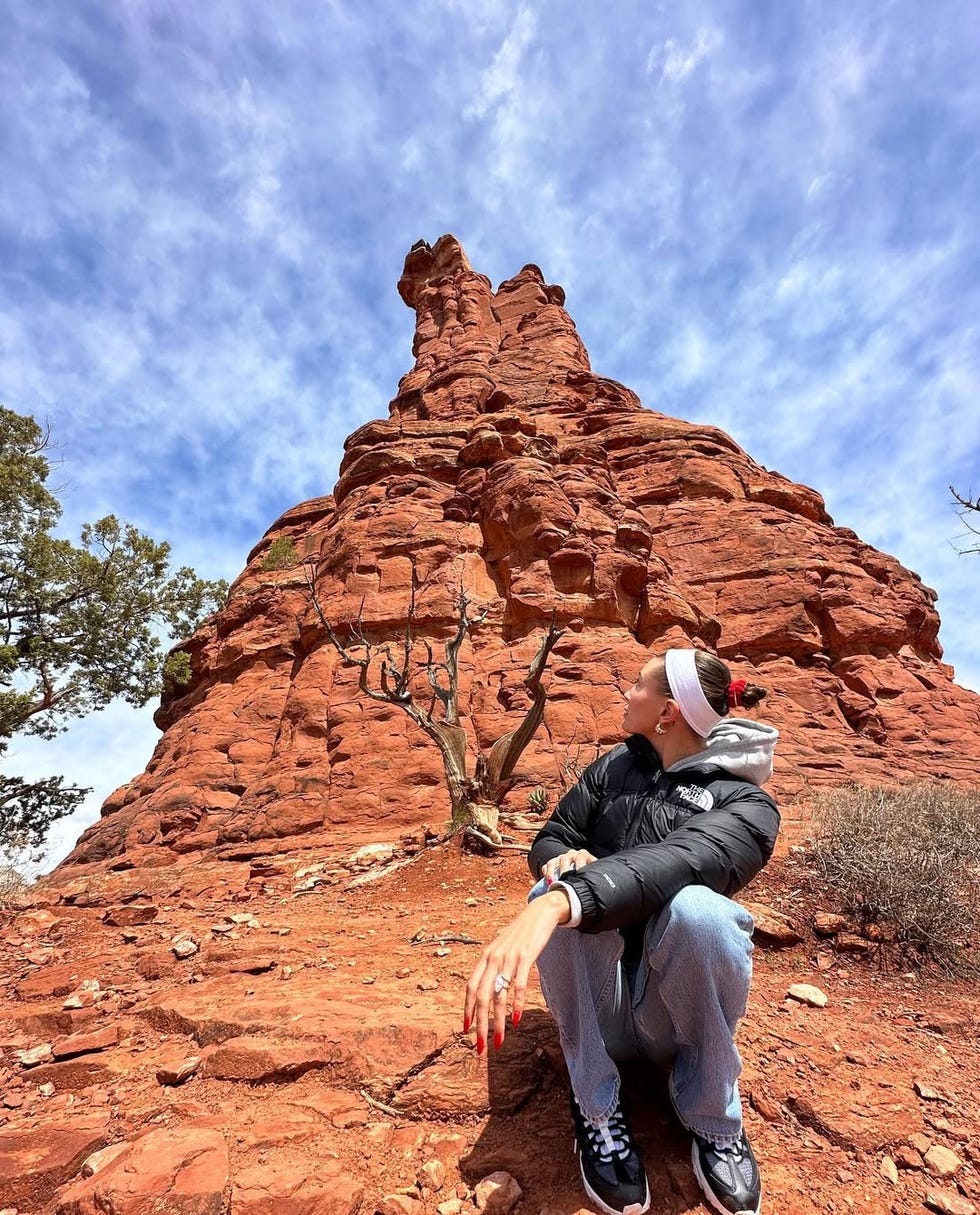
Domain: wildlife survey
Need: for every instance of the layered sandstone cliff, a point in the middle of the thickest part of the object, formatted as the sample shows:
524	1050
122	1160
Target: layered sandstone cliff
508	469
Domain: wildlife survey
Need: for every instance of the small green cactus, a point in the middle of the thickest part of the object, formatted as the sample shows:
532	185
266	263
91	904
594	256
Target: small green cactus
538	800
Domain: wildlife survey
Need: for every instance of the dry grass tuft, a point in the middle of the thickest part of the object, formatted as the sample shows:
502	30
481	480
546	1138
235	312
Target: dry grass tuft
12	886
906	859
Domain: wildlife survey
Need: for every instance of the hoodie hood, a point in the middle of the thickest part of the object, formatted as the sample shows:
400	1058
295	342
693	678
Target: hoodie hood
738	746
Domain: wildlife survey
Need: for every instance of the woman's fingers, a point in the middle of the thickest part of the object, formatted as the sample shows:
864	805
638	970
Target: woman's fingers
518	991
483	1000
476	1008
500	992
567	862
509	958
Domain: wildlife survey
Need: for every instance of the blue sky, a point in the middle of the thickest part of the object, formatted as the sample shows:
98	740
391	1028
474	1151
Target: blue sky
765	217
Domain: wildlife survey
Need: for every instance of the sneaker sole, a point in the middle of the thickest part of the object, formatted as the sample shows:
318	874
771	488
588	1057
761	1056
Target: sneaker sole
709	1193
634	1208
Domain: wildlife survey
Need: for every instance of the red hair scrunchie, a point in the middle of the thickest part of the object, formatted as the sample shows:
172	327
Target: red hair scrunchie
735	690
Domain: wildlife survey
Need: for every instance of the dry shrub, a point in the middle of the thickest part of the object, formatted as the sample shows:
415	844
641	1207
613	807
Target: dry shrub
907	859
12	886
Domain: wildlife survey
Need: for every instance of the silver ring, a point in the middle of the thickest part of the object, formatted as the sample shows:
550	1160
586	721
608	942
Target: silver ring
500	983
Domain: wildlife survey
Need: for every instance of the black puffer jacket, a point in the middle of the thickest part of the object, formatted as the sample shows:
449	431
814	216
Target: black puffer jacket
654	832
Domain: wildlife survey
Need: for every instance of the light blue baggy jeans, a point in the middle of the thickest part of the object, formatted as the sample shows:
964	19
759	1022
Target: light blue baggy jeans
682	1008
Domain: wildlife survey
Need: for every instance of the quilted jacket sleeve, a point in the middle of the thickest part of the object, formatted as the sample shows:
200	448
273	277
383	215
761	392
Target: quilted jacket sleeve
568	826
723	849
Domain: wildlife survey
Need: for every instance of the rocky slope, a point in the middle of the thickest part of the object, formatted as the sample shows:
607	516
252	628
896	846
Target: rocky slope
508	469
282	1037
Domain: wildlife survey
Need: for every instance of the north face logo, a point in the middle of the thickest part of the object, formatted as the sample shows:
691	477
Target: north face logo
694	795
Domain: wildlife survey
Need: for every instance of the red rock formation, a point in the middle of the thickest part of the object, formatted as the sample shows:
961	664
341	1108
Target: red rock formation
508	468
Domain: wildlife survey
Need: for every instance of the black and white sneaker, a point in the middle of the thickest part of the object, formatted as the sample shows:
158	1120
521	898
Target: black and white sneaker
612	1171
728	1176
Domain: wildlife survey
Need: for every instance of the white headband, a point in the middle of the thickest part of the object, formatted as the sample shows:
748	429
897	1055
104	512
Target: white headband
681	670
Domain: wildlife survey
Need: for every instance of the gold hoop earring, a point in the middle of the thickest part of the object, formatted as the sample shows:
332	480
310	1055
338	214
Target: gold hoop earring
660	728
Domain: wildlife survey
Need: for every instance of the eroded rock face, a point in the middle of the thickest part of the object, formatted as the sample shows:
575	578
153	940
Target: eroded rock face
509	469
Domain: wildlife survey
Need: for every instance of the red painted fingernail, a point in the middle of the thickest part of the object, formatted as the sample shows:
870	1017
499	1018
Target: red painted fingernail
480	1044
466	1025
516	1019
498	1040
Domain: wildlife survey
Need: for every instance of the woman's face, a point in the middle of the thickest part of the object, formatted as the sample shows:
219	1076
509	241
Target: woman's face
646	701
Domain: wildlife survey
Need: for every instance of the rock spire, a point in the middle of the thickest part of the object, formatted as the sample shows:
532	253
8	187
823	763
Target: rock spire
509	469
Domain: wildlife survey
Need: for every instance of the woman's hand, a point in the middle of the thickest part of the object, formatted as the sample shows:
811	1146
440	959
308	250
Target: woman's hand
574	859
511	953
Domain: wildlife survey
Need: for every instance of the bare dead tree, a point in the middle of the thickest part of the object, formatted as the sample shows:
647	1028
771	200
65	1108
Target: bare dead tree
476	799
969	512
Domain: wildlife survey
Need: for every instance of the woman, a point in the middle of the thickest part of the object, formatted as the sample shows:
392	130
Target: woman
640	950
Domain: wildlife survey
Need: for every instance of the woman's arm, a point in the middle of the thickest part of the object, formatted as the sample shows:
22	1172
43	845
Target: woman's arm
511	953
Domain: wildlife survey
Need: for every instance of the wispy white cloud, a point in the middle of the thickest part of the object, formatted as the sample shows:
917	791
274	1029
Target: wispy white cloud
676	62
504	73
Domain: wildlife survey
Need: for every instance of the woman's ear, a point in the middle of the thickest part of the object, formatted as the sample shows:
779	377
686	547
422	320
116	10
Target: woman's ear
670	713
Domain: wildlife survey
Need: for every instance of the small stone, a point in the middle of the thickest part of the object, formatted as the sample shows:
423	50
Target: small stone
368	980
428	985
471	902
371	854
176	1073
888	1169
184	947
85	995
879	932
771	927
850	942
104	1156
441	952
858	1058
399	1204
433	1174
497	1194
941	1162
765	1107
927	1092
129	936
828	923
244	917
252	966
403	972
47	1089
452	1206
86	1044
949	1204
921	1143
35	1055
908	1158
806	993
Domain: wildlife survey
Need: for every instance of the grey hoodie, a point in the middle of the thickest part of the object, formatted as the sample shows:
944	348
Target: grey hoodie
736	745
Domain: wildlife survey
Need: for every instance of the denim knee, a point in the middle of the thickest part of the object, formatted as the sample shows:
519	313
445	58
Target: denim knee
705	923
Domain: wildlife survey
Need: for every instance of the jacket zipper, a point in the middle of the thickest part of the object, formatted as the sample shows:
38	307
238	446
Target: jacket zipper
638	820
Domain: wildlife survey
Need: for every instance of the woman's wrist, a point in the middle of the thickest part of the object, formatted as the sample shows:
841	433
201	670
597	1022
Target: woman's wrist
558	903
